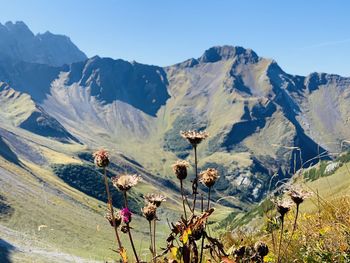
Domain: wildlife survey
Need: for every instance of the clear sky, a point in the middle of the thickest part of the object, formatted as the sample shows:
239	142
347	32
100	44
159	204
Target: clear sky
303	36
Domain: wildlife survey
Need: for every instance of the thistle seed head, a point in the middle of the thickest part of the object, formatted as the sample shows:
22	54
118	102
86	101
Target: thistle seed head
298	195
125	182
209	177
117	219
155	199
194	137
101	158
180	169
283	207
149	211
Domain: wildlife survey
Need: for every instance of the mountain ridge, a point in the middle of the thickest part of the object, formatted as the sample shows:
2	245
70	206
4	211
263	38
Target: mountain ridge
248	104
18	43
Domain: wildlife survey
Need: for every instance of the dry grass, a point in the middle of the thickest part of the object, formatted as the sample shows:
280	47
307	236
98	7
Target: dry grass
321	236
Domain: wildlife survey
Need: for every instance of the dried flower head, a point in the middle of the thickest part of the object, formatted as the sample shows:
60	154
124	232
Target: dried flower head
298	195
101	158
117	219
180	169
261	249
209	177
125	181
149	211
194	137
155	199
283	207
125	214
239	252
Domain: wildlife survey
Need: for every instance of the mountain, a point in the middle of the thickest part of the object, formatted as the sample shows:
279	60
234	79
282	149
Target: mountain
255	112
18	43
262	120
263	124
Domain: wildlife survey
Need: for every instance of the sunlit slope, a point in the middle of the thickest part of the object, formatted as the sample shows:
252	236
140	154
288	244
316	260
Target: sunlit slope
238	97
46	220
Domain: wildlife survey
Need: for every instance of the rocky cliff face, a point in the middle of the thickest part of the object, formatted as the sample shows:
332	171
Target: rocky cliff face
18	43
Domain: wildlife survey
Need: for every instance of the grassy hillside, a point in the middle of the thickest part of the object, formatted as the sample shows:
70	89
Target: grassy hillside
45	218
322	228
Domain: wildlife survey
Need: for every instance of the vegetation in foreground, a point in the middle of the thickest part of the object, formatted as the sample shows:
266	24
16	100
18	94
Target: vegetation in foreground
319	236
288	235
189	240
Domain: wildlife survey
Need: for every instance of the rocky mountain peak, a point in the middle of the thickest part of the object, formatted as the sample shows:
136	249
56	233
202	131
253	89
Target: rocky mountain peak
19	28
18	43
226	52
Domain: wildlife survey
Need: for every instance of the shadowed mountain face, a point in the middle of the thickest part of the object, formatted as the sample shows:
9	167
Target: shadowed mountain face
18	43
31	78
5	251
20	110
142	86
41	123
7	153
261	120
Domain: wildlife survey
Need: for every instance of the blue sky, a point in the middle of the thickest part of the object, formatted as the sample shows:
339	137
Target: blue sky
303	36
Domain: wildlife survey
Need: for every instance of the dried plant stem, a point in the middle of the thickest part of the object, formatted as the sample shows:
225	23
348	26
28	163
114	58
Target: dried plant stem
280	243
151	238
209	191
293	230
319	210
183	199
110	207
208	207
128	228
186	254
154	238
188	204
273	240
195	181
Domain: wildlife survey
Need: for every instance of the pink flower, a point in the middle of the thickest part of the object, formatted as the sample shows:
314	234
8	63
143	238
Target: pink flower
125	213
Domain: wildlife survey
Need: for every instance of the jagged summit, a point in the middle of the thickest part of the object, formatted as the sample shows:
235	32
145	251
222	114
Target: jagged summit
226	52
221	53
18	43
18	27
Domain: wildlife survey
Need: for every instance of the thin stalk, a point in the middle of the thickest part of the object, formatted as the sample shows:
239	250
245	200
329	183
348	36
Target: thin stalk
129	232
273	240
183	199
125	199
186	254
208	207
150	235
209	191
188	204
110	206
280	243
154	238
293	230
195	181
202	203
